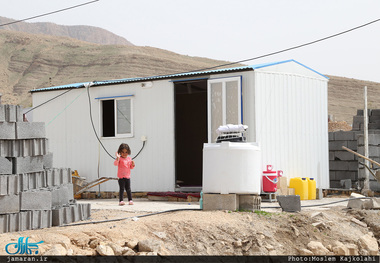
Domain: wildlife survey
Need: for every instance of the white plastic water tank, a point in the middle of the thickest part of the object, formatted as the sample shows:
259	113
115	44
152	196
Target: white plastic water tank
231	167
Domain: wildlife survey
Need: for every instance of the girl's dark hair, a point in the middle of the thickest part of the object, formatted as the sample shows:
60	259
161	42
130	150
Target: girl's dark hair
124	146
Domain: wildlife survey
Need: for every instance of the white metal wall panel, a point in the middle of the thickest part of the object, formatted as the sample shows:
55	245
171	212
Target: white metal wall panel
74	145
291	124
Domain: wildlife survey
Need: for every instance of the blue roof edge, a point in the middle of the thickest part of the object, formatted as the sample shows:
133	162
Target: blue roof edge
286	61
118	81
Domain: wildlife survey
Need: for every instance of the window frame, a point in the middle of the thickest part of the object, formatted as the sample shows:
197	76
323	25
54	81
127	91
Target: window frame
115	99
223	80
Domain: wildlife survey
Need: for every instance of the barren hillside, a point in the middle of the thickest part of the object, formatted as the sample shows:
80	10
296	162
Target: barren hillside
85	33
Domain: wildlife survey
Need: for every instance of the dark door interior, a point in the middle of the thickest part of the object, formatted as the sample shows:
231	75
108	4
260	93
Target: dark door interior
190	131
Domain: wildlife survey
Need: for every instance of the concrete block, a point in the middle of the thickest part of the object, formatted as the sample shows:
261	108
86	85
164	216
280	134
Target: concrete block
6	166
346	183
11	113
331	155
48	161
25	221
373	151
14	221
7	131
60	196
27	164
374	118
9	204
374	126
374	185
337	145
58	216
46	218
345	175
220	202
12	184
344	156
250	202
331	136
4	223
3	185
67	217
353	145
30	130
344	135
373	139
335	184
86	210
356	203
358	119
338	165
353	165
332	175
289	203
36	200
75	213
22	148
2	114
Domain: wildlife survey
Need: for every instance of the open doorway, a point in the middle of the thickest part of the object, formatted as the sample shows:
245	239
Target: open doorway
190	132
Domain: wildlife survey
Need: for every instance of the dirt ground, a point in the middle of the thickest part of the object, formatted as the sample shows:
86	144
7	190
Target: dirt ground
334	230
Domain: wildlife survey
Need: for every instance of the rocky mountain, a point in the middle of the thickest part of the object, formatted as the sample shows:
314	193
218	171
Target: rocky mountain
85	33
29	61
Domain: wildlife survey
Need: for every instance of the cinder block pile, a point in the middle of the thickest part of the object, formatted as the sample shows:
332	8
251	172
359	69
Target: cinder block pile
33	194
345	170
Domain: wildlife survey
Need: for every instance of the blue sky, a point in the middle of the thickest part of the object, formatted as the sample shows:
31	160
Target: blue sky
234	30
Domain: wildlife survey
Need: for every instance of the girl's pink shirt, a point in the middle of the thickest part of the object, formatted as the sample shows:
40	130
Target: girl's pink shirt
124	167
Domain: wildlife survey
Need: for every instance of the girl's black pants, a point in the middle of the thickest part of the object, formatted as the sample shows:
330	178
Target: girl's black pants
124	183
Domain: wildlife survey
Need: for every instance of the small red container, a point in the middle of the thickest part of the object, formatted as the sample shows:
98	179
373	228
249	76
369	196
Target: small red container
270	180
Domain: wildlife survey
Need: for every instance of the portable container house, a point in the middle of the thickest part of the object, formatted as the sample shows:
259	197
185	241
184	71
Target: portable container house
167	119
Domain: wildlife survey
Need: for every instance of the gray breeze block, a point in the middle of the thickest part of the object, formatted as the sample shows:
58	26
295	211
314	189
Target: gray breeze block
69	214
13	113
9	204
22	148
36	200
289	203
5	166
30	130
27	164
9	184
7	131
220	202
62	195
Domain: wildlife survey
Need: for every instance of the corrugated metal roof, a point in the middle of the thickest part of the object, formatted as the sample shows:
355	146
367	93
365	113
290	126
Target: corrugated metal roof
178	75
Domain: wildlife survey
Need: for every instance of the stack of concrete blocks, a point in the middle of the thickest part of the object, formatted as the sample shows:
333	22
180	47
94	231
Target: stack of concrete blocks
343	164
345	170
33	195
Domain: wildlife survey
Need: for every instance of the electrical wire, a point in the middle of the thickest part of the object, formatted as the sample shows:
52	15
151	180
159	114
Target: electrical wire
45	14
93	126
131	217
193	209
92	122
284	50
48	100
345	200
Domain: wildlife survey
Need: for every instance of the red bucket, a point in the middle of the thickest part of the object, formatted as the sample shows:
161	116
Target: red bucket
270	180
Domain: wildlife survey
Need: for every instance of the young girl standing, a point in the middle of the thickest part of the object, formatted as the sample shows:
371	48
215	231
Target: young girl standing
124	164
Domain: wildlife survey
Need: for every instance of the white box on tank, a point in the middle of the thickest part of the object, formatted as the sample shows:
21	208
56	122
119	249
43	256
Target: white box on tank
231	167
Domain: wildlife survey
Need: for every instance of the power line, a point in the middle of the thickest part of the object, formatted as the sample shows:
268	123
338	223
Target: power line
287	49
45	14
